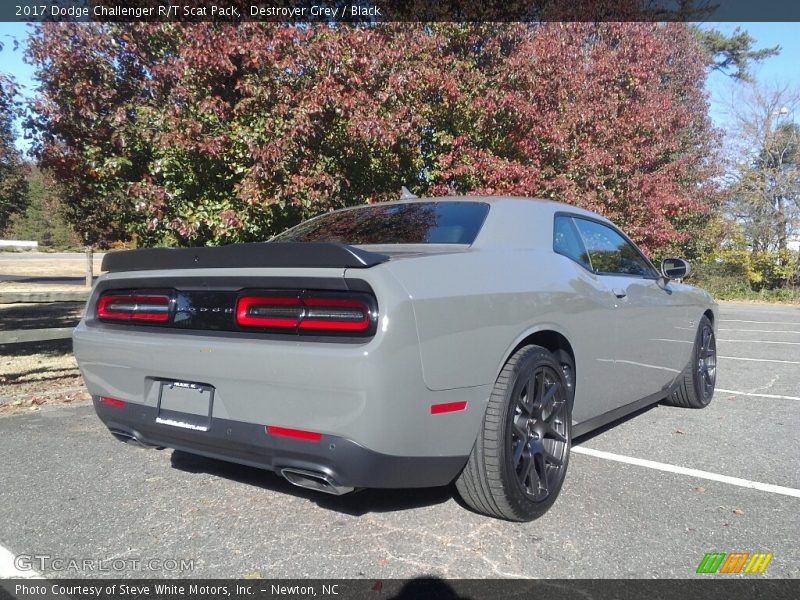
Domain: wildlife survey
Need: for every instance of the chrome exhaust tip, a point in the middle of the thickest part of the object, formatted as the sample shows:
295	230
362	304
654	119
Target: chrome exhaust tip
123	436
313	480
130	438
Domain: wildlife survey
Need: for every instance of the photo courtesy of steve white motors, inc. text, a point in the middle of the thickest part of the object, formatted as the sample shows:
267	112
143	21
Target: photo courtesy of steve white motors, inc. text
195	590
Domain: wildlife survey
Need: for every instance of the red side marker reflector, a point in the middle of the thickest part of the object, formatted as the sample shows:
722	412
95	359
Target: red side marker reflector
448	407
112	402
297	434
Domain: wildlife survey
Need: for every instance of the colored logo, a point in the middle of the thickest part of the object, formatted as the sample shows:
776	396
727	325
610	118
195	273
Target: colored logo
735	562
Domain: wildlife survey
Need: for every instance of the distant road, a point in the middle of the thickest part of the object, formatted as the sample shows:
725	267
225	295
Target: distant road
19	256
44	279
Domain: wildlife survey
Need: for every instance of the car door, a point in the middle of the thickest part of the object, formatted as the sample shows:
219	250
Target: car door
594	326
649	343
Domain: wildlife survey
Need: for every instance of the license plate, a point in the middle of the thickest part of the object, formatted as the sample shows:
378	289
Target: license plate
185	404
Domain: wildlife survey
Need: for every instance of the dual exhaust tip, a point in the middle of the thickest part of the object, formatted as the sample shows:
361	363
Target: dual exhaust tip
130	438
314	480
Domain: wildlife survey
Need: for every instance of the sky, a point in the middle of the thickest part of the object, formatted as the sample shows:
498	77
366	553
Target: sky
783	69
11	62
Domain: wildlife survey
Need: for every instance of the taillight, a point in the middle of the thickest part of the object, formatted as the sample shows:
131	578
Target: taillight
269	311
344	314
334	313
133	307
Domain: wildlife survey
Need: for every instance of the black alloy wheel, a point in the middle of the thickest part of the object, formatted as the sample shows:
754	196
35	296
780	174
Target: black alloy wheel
538	435
519	461
695	387
707	362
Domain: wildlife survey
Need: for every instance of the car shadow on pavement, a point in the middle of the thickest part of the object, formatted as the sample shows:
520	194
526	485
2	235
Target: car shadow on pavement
615	423
357	504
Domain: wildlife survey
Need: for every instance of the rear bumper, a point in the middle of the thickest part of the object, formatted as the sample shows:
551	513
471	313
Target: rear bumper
371	393
343	460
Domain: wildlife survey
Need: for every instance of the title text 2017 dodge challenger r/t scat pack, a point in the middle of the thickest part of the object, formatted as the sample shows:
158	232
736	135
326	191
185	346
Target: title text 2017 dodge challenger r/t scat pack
405	344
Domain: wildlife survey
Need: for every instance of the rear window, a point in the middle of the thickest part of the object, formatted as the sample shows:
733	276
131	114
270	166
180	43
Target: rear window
411	223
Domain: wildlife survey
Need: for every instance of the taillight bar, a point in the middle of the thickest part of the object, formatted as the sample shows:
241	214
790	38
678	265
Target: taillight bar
268	311
350	314
133	307
335	313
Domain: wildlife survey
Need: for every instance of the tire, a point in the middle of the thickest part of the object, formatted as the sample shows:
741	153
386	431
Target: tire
696	385
519	461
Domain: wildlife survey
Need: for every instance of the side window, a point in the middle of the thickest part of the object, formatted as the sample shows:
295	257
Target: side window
567	242
611	253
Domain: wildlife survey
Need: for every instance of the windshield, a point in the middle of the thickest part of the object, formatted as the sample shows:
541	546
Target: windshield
408	223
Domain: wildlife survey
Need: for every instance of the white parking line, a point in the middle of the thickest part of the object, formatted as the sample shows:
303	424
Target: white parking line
761	342
727	340
640	462
761	330
637	364
9	570
759	322
757	395
787	362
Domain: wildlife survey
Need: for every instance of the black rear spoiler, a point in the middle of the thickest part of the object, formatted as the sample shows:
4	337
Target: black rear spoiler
252	255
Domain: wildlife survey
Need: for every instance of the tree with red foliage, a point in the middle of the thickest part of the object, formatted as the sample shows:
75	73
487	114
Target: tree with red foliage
211	133
13	185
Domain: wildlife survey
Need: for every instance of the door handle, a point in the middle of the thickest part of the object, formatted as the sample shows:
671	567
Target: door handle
619	292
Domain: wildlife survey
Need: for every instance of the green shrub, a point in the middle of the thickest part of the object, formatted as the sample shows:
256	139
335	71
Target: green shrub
772	270
759	270
746	275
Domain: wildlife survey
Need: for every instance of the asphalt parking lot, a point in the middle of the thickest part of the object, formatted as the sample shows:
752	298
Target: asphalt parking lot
646	498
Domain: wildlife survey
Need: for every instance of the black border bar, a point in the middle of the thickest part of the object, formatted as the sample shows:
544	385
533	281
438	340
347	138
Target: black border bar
704	586
376	11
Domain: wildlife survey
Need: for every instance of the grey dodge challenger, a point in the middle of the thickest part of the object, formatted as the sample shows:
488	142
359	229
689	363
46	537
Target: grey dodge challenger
402	344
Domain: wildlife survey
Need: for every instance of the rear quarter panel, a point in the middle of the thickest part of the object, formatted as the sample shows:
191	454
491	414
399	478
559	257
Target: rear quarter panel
472	309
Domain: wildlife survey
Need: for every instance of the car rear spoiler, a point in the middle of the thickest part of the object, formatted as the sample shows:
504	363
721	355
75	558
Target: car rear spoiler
252	255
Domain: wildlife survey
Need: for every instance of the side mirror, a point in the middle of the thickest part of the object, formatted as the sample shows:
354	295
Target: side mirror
675	268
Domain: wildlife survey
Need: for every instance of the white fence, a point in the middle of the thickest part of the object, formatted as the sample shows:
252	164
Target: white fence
29	245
